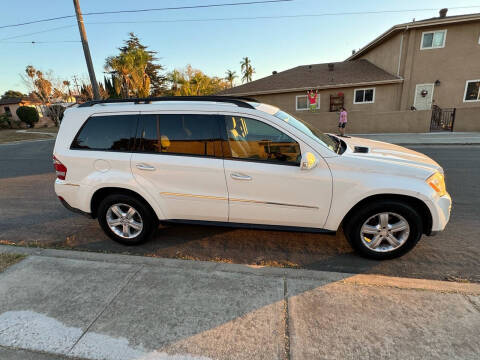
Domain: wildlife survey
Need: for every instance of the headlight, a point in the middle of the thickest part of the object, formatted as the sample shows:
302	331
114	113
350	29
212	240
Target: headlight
437	183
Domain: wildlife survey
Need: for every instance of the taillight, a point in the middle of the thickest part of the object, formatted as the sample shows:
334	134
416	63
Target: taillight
60	169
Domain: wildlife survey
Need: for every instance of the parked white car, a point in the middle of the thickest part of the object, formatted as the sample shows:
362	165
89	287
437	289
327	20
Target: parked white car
234	162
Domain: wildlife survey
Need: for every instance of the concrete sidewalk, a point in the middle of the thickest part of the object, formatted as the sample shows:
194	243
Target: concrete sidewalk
432	138
59	304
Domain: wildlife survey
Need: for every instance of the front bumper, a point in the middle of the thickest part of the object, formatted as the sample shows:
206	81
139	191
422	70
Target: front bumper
442	207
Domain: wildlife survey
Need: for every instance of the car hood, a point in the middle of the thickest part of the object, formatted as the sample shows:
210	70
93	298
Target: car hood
389	153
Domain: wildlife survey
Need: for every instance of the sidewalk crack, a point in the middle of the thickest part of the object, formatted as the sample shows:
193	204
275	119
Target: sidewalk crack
286	316
109	302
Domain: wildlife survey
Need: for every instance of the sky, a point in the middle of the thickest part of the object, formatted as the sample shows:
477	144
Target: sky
212	46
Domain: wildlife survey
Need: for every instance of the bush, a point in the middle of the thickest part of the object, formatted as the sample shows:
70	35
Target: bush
28	115
5	122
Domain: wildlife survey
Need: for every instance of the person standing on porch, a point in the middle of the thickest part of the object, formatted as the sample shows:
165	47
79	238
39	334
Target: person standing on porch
342	122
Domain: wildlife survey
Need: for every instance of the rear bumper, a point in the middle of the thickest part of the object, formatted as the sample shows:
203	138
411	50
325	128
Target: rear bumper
73	196
72	209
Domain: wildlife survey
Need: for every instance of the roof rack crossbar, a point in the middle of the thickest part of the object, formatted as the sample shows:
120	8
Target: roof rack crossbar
239	101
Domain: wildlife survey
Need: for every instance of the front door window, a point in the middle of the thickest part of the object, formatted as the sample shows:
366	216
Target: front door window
254	140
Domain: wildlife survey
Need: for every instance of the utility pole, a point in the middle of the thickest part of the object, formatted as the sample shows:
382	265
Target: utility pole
86	50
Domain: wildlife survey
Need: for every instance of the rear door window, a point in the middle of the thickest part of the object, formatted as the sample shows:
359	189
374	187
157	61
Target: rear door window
107	133
180	134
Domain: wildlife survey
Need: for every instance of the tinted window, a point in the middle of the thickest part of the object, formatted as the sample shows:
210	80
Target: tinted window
115	133
180	134
255	140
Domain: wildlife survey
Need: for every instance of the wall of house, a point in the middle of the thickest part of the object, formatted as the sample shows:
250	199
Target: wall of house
467	119
386	99
13	110
360	122
387	55
453	65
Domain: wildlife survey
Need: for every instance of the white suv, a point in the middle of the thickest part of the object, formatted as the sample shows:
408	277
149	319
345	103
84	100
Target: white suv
235	162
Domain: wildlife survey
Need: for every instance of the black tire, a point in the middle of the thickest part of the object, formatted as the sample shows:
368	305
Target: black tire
148	218
352	228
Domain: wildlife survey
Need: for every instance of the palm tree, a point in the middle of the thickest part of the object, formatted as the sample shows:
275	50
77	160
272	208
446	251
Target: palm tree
130	69
247	69
231	76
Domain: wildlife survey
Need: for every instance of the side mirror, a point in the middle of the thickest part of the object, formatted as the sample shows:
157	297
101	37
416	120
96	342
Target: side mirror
309	161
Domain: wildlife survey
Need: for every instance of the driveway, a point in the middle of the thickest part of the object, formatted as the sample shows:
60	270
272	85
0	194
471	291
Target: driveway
30	214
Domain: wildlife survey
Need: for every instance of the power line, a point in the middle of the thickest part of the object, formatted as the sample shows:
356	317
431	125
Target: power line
38	32
147	10
40	42
277	16
235	18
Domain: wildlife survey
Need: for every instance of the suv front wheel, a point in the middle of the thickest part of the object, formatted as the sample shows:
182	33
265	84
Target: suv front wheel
125	219
384	230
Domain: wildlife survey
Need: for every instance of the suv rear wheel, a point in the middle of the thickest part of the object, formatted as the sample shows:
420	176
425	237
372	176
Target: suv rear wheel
126	219
384	230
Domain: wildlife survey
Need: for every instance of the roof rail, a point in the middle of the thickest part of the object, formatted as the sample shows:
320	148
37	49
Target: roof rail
239	101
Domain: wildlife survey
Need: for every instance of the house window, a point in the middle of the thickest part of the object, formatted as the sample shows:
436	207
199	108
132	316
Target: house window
8	112
472	91
433	39
302	103
364	96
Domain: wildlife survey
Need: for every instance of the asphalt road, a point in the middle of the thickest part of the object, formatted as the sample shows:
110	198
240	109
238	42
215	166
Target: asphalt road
30	214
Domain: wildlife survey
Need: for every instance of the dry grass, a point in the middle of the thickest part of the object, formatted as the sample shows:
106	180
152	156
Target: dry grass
9	259
11	135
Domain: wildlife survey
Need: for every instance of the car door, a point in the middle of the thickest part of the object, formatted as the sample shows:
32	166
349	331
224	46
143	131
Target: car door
264	180
178	160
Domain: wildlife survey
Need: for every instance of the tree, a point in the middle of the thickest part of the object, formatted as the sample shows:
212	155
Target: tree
28	115
135	69
130	69
193	82
12	94
230	77
55	112
66	83
247	69
39	83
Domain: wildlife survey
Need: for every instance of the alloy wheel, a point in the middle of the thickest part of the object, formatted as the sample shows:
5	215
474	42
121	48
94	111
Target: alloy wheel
385	232
124	220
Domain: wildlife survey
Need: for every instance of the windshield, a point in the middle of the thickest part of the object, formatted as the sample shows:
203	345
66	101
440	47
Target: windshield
328	141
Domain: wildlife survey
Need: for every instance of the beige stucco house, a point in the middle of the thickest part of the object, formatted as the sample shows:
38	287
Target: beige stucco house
392	83
9	106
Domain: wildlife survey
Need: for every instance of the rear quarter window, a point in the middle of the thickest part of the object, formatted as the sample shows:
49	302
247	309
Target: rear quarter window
107	133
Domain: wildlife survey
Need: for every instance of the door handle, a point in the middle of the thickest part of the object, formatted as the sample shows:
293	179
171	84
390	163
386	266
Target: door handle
145	167
240	177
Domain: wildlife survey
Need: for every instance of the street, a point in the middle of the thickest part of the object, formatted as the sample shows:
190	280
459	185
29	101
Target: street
31	215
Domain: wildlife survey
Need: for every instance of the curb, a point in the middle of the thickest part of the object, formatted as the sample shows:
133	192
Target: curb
25	141
370	280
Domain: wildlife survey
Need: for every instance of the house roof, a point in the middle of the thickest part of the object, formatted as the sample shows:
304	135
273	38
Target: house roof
317	76
17	100
414	24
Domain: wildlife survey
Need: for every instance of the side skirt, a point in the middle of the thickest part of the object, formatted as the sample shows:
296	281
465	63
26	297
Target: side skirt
250	226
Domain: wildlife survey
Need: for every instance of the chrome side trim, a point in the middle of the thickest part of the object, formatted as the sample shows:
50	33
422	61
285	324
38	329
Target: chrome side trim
166	193
210	197
274	203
